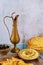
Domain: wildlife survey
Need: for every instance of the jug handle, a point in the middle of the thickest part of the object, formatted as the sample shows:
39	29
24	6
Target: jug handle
12	14
5	23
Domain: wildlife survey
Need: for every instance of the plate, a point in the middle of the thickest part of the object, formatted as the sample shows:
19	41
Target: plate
28	54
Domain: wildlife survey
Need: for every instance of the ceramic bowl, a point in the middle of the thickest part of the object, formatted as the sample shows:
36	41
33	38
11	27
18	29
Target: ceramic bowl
5	51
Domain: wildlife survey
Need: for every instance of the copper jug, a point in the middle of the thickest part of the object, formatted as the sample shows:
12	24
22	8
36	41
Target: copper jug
14	38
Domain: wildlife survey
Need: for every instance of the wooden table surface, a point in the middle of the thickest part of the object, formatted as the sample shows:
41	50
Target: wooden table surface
38	61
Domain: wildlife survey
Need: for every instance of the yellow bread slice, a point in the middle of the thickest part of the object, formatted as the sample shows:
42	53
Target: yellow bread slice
36	43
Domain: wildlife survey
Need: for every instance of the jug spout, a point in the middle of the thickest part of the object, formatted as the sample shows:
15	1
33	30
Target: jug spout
16	17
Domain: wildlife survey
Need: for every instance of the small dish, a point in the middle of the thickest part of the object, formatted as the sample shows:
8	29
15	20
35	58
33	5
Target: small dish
28	54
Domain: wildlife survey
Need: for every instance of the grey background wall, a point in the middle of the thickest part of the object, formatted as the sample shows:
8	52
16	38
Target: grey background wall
30	21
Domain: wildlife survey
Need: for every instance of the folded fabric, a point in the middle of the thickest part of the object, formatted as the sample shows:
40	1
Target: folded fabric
14	61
